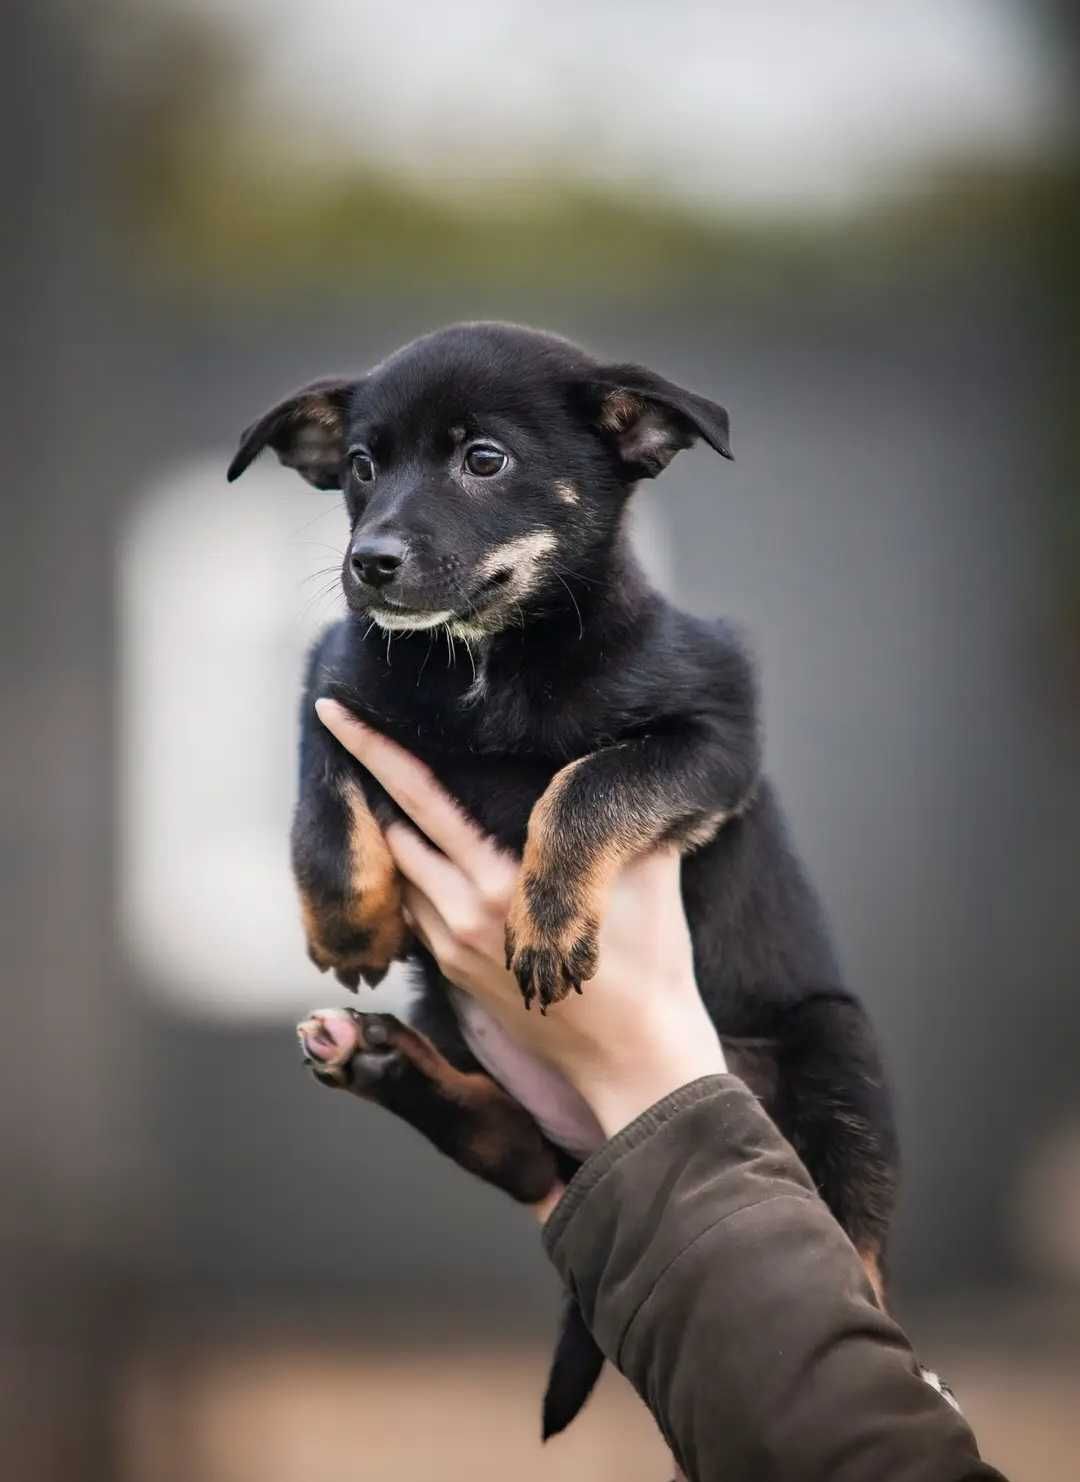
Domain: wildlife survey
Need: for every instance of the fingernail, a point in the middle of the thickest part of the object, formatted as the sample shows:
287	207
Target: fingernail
329	711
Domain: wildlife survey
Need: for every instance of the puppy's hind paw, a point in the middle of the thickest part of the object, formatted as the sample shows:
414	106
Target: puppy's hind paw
350	1050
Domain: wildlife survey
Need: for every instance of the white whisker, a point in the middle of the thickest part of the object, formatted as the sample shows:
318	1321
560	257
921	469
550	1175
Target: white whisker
573	599
423	666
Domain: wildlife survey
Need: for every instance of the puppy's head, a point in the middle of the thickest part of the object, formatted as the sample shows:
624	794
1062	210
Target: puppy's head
482	466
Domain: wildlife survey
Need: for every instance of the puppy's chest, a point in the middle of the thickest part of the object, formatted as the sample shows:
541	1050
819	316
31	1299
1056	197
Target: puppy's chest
526	714
501	754
497	749
488	708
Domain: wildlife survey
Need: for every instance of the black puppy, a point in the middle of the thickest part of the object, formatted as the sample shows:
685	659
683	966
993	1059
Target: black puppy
580	719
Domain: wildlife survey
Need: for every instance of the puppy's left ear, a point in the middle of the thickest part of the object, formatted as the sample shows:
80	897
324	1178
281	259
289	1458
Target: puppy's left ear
649	419
306	431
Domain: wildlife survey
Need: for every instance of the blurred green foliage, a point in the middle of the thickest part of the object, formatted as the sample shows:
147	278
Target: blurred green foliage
209	196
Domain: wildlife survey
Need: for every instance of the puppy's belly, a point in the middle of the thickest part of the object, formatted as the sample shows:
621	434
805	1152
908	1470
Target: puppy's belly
559	1111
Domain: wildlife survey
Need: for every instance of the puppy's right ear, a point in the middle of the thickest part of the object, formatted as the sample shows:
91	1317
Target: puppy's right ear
306	431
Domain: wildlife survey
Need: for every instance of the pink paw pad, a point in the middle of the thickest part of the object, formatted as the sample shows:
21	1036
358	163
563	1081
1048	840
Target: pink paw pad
329	1038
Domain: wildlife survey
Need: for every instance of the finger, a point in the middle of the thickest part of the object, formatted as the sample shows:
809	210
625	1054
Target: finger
435	874
410	784
427	923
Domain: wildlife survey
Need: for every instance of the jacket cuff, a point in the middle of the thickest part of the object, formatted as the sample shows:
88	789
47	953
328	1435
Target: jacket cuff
688	1163
596	1168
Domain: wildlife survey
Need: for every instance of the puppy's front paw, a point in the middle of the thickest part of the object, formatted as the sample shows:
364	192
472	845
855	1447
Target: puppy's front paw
548	962
356	939
351	900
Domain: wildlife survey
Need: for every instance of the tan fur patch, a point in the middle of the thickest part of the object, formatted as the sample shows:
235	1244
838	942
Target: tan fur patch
474	1090
583	881
872	1265
376	884
566	491
521	556
704	832
619	410
568	882
373	905
527	934
318	410
524	557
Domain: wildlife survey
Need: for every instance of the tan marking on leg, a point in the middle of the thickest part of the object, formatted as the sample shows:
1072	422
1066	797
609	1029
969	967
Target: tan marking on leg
524	558
376	884
564	883
476	1122
871	1260
583	882
311	916
372	906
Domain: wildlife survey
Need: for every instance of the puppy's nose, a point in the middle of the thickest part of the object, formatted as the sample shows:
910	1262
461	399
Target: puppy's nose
375	561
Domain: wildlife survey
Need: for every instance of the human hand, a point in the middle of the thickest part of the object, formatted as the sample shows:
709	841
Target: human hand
639	1029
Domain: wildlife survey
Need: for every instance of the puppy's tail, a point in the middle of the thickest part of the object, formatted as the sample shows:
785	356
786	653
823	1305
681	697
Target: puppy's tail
575	1369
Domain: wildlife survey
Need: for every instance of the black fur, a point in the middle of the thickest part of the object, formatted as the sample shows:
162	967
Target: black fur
584	658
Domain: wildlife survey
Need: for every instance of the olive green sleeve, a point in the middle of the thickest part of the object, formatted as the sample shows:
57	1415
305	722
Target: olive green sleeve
713	1276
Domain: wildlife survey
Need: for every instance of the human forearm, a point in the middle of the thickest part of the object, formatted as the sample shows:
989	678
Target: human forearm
711	1273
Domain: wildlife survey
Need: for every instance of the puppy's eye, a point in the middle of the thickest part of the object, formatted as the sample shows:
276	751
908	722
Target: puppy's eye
363	467
483	460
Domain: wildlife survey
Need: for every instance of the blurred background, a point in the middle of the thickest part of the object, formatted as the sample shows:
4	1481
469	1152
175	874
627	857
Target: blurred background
859	228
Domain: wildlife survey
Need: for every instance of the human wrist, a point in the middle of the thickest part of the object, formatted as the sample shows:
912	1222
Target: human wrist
544	1208
618	1089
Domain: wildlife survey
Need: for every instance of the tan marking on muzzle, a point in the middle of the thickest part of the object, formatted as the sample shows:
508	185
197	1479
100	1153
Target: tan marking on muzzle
524	558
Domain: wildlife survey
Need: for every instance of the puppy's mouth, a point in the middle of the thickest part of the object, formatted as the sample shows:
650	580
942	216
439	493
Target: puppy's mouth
397	616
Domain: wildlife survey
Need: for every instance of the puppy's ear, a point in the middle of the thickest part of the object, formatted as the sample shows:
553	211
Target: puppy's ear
649	420
306	431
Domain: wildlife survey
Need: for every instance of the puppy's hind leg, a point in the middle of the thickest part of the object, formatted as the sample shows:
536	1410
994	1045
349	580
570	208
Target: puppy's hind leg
833	1105
466	1114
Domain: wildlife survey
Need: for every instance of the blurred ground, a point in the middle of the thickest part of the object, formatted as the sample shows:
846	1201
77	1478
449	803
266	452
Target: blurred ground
278	1408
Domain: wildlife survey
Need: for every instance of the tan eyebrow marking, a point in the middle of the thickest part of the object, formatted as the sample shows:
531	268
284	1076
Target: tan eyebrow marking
567	492
457	435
